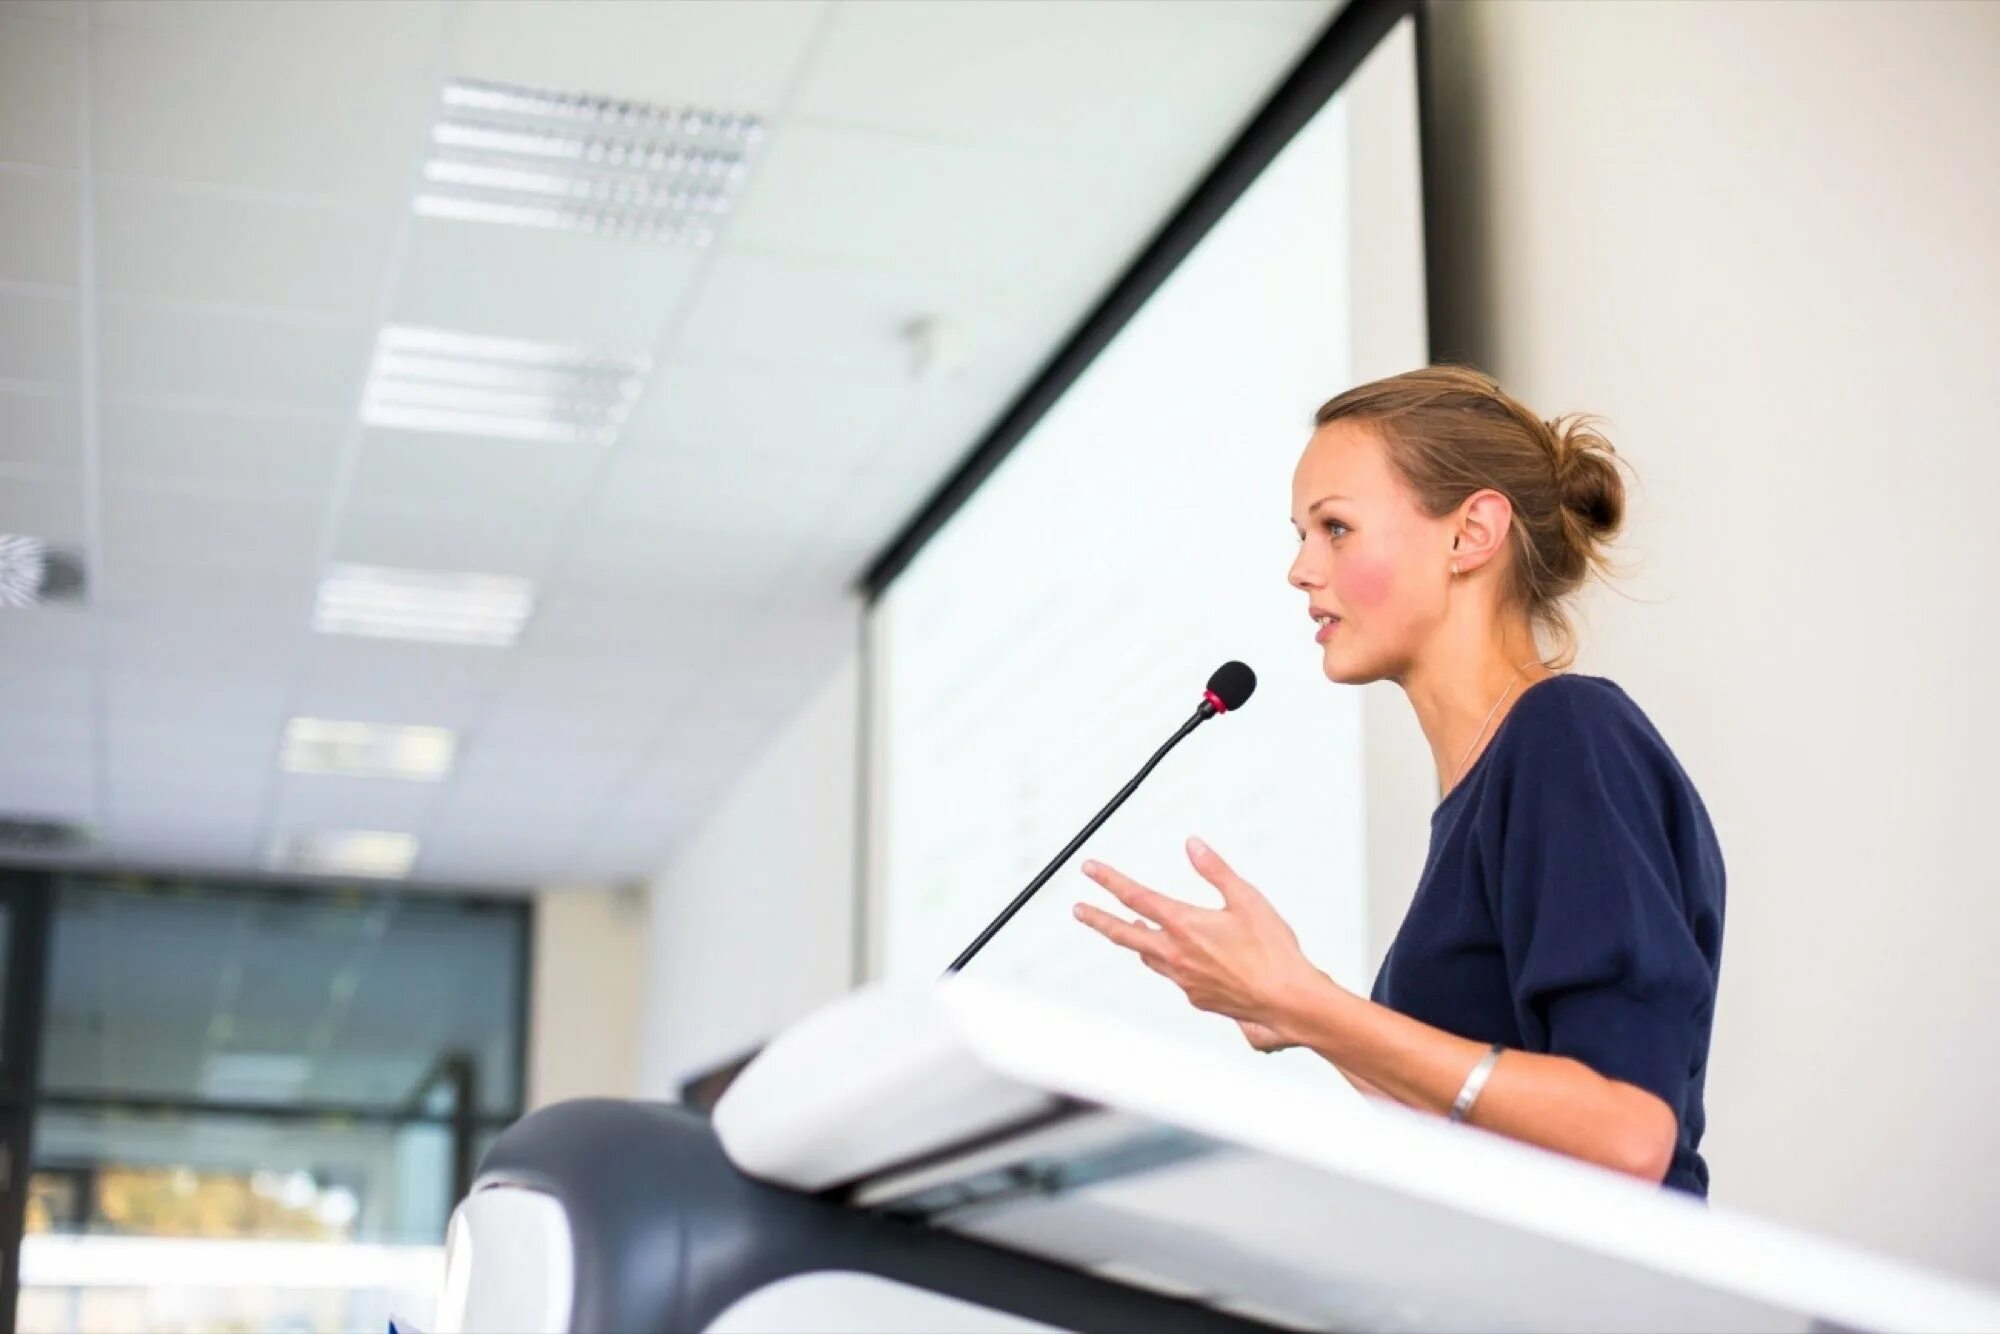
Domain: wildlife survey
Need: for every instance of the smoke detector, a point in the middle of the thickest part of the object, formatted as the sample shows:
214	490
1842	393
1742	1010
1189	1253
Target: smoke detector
935	345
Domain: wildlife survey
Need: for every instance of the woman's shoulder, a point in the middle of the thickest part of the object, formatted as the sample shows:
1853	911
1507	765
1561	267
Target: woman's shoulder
1570	712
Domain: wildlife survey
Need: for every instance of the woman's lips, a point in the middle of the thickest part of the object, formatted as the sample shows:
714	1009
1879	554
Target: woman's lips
1326	631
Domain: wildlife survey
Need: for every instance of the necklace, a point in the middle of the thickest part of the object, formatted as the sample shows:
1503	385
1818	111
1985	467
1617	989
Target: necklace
1480	735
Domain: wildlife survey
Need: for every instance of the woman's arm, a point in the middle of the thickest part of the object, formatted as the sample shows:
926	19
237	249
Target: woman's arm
1243	961
1267	1039
1550	1101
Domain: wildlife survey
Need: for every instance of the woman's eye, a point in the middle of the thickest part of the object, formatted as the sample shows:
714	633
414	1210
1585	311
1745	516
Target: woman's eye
1335	528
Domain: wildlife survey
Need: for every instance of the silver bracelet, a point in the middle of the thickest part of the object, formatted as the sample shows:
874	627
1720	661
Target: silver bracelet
1474	1082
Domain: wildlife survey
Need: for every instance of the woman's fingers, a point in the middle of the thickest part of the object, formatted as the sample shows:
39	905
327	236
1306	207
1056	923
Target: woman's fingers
1235	890
1148	903
1134	936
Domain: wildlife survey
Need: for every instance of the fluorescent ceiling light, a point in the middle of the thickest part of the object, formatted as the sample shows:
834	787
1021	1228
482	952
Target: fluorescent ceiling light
363	852
435	606
368	750
461	384
529	157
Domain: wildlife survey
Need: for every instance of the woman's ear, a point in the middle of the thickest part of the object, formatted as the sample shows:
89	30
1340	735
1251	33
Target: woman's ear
1483	522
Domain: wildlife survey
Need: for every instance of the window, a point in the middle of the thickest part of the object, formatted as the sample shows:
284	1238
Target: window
257	1104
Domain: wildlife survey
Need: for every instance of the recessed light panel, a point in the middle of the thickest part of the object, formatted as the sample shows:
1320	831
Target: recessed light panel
430	605
361	852
368	750
529	157
461	384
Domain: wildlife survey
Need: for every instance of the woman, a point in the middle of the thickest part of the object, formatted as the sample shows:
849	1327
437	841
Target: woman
1554	978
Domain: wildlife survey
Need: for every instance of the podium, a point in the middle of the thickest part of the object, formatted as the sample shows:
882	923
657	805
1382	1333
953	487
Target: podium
956	1156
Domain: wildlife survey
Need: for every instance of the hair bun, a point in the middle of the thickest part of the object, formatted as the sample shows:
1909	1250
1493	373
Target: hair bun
1591	488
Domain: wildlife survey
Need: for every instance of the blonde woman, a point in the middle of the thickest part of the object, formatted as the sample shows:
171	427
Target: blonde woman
1554	978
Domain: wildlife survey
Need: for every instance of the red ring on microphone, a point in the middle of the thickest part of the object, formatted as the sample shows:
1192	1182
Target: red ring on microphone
1215	701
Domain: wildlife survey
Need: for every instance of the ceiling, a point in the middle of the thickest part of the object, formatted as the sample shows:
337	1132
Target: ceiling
205	220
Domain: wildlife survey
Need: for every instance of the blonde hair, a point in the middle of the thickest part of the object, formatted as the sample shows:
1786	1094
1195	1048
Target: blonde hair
1451	431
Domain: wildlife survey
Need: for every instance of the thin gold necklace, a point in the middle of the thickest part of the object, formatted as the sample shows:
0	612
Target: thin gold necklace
1480	735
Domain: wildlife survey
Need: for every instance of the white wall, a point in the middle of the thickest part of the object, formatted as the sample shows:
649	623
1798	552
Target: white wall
752	923
1764	240
589	963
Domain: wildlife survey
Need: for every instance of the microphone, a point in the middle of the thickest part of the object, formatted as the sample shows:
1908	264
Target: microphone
1229	688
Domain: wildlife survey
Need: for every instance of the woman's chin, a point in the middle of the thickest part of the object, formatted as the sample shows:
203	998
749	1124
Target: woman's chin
1344	668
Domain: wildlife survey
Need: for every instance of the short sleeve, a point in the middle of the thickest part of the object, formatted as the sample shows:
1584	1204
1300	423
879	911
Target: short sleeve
1603	964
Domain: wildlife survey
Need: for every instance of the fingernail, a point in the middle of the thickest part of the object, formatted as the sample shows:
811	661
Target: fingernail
1090	868
1077	912
1197	848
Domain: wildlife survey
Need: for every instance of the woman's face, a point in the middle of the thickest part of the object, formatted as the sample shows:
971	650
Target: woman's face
1368	556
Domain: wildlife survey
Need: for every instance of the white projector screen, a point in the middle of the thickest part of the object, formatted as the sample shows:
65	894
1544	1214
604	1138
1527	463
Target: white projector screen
1062	622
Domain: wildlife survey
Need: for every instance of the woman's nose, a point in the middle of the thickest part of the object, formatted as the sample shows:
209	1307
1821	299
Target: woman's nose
1302	575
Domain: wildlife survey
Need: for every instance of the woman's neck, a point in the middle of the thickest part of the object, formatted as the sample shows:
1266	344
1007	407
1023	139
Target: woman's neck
1465	684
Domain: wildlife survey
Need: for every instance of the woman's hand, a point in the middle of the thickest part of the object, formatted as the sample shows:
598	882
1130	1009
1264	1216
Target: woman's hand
1240	960
1263	1037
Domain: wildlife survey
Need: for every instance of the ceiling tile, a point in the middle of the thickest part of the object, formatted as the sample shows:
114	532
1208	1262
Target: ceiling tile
770	311
1303	19
25	730
597	293
420	473
189	243
214	757
38	227
40	336
740	56
518	544
46	787
173	839
535	767
283	21
56	11
47	509
163	446
575	689
200	636
333	109
179	352
39	69
757	498
730	409
576	621
954	206
655	558
160	540
1039	71
374	680
137	701
41	432
154	606
47	674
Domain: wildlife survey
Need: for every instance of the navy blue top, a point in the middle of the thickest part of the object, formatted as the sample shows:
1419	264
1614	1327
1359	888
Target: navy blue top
1571	903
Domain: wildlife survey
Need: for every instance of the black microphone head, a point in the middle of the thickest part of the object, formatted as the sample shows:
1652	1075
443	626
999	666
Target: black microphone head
1231	686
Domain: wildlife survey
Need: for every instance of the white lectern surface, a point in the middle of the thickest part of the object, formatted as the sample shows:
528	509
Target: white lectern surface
1100	1147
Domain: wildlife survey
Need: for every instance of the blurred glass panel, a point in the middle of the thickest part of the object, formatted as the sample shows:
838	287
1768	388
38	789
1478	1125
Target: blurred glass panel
108	1172
188	990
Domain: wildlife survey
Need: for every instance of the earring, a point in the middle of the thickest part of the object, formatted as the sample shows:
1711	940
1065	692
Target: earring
1454	569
